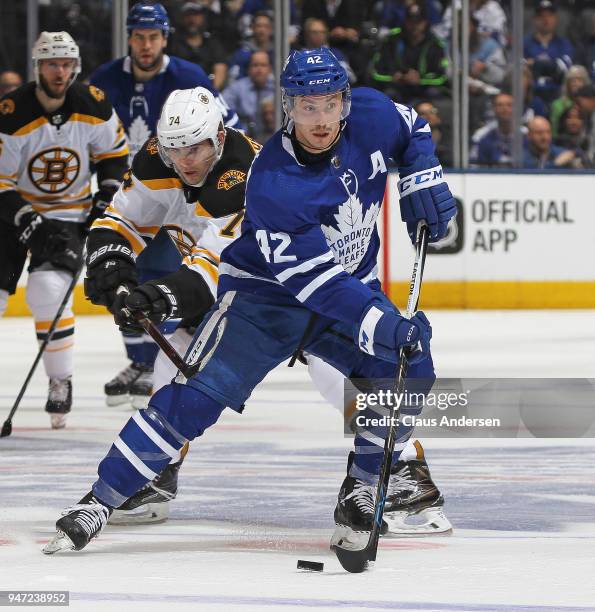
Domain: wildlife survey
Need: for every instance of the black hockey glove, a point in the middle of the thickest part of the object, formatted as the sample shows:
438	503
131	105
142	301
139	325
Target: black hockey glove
153	298
41	236
108	267
183	294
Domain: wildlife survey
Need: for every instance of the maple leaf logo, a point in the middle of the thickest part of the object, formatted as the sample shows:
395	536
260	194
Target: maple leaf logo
350	239
138	133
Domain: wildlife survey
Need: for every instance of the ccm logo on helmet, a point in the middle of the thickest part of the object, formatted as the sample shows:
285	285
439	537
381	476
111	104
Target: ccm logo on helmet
319	81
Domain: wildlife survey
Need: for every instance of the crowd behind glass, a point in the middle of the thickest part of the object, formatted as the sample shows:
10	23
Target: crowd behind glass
401	47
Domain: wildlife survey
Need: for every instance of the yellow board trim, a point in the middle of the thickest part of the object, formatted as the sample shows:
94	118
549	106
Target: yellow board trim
496	295
499	295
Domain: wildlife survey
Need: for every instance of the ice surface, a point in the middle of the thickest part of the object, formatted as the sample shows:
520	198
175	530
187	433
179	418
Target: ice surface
258	491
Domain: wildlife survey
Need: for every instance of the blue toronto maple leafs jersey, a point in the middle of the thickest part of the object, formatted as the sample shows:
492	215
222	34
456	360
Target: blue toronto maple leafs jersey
309	235
138	105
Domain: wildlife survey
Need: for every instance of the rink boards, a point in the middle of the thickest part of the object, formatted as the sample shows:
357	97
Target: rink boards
521	240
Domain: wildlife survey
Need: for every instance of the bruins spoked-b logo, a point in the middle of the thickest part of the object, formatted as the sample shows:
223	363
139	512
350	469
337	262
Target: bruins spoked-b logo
182	239
54	170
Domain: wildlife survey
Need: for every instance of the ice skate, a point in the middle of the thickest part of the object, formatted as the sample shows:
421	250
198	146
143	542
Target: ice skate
414	503
141	388
59	401
354	513
151	503
117	389
79	525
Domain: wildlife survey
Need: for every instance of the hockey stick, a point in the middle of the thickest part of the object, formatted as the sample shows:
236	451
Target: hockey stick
162	342
356	561
7	427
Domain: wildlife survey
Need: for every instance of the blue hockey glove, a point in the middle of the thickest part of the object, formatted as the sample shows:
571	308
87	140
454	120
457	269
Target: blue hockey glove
425	196
383	332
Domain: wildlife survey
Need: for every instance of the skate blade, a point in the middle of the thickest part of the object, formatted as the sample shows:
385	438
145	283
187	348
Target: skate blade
59	542
431	521
57	420
143	515
346	538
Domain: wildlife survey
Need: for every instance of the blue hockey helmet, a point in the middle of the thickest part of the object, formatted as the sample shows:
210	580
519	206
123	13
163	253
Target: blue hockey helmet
314	72
143	16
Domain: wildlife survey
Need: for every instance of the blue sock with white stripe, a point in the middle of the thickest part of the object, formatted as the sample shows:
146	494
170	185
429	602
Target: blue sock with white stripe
151	439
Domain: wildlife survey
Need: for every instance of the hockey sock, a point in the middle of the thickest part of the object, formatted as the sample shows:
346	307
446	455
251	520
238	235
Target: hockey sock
151	439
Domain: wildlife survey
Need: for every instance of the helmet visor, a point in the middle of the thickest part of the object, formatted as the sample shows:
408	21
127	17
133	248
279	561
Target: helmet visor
323	110
198	154
192	163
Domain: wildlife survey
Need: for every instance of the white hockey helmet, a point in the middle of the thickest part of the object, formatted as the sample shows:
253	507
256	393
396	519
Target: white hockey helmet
188	117
52	45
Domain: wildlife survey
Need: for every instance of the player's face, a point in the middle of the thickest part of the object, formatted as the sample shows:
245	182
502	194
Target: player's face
193	163
55	76
146	48
317	120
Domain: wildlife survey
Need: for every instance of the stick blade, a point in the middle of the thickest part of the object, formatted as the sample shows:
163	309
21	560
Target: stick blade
353	561
6	429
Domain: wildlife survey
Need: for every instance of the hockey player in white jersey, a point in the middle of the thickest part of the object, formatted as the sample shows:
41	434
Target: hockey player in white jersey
51	130
138	85
292	260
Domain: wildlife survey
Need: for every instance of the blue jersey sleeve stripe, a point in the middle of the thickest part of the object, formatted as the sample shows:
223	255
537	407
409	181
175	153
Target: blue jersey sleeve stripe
305	266
311	287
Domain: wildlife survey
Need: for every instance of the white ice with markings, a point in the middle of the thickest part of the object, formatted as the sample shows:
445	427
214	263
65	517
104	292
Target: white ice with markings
257	492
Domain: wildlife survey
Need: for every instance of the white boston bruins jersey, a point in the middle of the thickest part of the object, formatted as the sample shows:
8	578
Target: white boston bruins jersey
201	221
47	157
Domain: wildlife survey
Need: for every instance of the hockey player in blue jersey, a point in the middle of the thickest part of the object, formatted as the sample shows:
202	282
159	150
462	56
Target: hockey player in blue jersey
137	86
302	273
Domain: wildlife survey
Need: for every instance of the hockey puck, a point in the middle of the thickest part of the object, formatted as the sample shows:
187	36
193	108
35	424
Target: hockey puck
311	566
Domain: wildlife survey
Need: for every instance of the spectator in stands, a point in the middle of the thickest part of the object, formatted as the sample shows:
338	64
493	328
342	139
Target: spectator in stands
440	134
246	9
575	78
494	144
533	105
262	40
9	81
267	125
487	69
344	19
393	13
315	35
222	24
549	55
539	152
491	20
246	94
486	57
192	42
585	100
411	63
573	136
